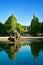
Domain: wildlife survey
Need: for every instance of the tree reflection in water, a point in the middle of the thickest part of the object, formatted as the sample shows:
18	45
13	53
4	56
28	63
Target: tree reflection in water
36	48
10	49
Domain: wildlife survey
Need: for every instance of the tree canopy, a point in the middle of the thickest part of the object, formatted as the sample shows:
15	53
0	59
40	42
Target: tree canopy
36	27
10	24
19	28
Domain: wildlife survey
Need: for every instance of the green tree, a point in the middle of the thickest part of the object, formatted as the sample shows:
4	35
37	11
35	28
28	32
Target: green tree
19	28
29	29
42	27
34	25
2	29
10	24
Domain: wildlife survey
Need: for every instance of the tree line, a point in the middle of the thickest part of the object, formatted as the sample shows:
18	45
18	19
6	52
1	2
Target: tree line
35	28
9	26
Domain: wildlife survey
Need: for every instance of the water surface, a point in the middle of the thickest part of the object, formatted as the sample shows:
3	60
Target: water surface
31	53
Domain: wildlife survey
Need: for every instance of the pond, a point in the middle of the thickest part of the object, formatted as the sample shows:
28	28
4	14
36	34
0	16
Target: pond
30	53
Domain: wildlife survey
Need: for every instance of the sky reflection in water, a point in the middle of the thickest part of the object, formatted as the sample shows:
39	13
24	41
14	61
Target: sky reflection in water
31	54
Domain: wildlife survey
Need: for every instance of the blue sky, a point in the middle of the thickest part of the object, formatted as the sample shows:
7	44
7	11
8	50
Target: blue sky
23	10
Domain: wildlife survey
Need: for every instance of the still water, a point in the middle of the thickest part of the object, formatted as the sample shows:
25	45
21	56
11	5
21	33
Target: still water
30	53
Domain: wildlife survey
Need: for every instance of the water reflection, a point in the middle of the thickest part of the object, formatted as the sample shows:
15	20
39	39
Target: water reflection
10	49
36	48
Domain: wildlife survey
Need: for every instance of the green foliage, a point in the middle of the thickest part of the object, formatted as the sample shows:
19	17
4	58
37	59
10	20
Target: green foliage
10	24
34	25
24	27
42	27
19	28
35	28
2	29
29	29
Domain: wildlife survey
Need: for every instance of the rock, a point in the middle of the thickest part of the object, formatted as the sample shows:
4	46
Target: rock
17	36
11	38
